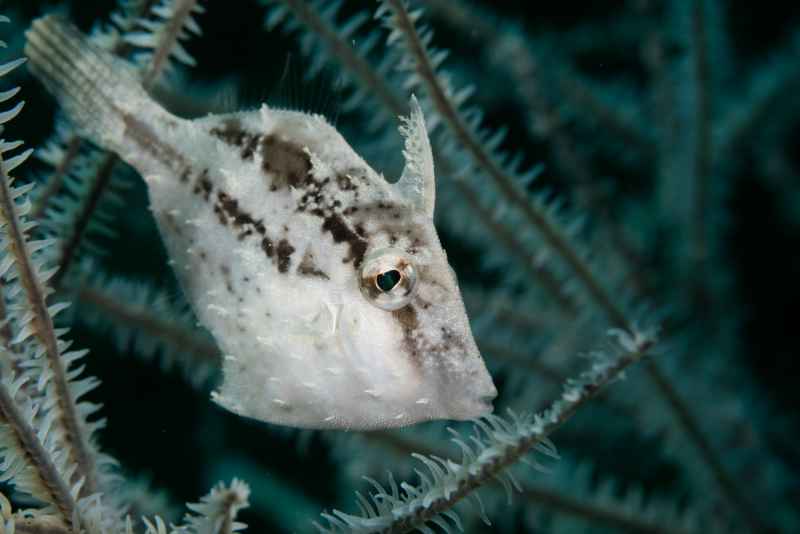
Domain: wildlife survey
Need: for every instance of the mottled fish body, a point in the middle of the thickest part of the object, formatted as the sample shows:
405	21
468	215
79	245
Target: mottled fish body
324	285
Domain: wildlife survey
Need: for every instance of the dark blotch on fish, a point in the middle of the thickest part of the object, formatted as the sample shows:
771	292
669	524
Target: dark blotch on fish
285	251
341	233
203	185
240	219
232	133
288	164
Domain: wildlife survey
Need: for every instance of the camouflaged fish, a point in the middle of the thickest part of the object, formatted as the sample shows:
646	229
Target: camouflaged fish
324	285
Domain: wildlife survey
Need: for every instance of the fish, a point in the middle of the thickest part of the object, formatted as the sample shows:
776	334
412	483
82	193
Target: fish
324	284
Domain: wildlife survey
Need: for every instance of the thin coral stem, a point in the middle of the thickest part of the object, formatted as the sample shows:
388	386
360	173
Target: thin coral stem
702	151
56	181
180	338
406	444
172	33
6	334
37	456
513	246
665	104
773	84
559	413
472	19
346	54
231	501
507	311
595	107
526	67
69	248
11	352
728	486
699	252
609	515
556	500
74	432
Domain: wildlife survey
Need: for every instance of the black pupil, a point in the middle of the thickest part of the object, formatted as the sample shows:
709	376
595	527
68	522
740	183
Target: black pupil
386	281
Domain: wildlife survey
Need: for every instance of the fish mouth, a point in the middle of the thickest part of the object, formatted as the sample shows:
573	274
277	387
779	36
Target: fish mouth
471	397
486	402
473	407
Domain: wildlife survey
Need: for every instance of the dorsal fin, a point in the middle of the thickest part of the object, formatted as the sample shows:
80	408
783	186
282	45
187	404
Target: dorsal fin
417	183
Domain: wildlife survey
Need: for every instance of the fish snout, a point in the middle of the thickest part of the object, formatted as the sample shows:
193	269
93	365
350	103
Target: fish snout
474	399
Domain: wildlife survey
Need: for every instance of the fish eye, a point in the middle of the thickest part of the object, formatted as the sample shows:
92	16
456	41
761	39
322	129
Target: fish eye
388	280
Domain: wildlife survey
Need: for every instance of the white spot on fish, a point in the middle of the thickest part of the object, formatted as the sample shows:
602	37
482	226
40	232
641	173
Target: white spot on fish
219	310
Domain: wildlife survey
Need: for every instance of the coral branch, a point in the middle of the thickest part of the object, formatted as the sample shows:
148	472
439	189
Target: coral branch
533	66
702	150
612	516
503	443
147	320
68	248
56	180
578	94
166	42
216	512
771	88
345	53
43	479
42	328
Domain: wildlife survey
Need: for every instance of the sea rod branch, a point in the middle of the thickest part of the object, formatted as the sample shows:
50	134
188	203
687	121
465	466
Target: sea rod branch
506	443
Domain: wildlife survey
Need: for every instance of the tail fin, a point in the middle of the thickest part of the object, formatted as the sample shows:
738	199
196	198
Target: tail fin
96	89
